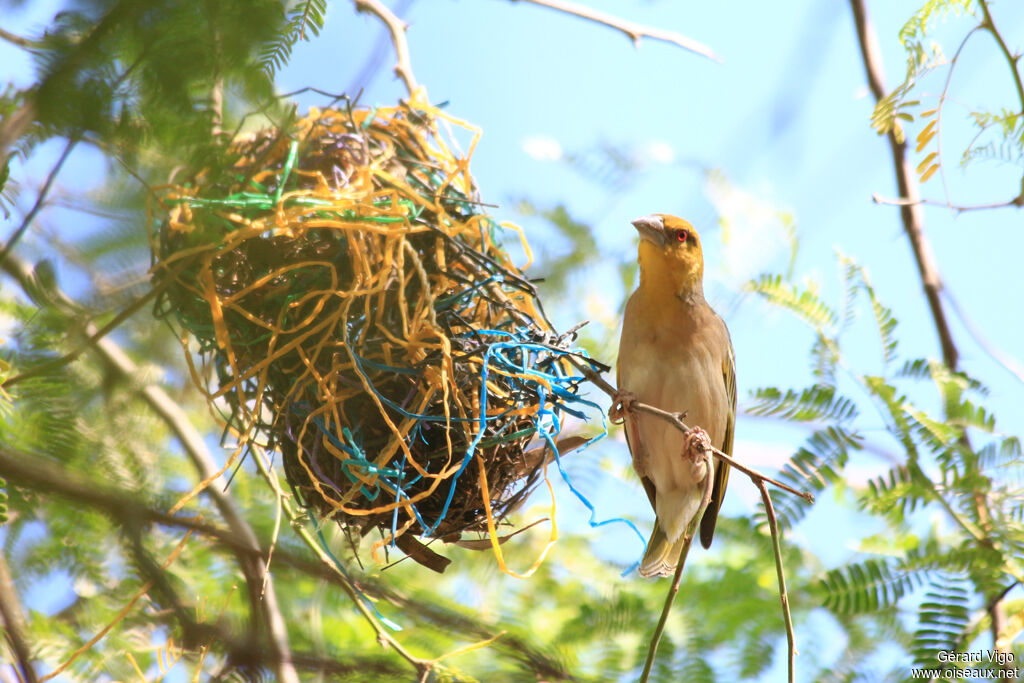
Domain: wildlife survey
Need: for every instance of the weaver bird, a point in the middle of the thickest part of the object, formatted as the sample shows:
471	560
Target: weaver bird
675	354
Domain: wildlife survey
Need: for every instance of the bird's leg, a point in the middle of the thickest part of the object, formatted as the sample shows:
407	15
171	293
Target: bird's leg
695	443
622	401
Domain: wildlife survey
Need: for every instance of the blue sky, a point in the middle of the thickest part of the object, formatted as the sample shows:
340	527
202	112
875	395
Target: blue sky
784	118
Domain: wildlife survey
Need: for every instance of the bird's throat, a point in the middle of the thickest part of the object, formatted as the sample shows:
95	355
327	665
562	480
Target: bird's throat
663	277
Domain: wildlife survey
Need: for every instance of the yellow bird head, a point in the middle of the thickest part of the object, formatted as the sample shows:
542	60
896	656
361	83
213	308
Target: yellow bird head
670	256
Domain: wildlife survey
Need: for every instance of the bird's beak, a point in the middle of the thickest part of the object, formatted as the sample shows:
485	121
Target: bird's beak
652	229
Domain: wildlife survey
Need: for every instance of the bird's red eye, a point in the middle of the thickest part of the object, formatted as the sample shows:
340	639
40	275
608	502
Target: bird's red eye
682	235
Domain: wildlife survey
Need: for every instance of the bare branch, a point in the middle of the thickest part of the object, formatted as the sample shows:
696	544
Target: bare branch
40	200
681	426
396	27
635	32
1016	202
20	41
773	525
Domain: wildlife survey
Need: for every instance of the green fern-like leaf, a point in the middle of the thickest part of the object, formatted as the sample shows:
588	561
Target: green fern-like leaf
942	619
867	586
305	20
806	303
916	28
814	403
816	464
894	494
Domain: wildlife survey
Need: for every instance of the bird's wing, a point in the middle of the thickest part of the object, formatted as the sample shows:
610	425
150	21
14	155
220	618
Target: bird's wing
633	442
707	524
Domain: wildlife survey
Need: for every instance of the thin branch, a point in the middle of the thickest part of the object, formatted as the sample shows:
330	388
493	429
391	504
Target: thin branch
675	419
691	528
14	627
773	525
1008	363
20	41
759	480
1011	60
396	27
1016	202
94	336
910	212
423	667
635	32
375	56
40	200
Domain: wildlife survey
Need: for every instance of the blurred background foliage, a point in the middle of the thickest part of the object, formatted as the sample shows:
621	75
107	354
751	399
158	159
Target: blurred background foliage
99	581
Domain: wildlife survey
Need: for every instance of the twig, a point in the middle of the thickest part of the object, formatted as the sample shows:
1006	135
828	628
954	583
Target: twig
691	528
422	666
681	426
1016	202
20	41
773	525
1011	60
998	355
376	55
635	32
40	200
396	27
94	337
10	611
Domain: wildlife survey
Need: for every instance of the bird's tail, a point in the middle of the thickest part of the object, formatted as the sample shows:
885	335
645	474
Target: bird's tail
662	556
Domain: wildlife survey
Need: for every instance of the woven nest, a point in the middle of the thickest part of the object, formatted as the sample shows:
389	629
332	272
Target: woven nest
350	296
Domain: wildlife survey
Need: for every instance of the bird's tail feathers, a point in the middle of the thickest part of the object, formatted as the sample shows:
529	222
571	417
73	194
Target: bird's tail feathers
662	556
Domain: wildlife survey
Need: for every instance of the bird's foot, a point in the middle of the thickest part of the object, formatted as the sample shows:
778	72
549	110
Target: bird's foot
696	443
622	401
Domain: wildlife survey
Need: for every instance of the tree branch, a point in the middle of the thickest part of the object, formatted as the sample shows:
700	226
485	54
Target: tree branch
635	32
14	627
396	27
40	200
1011	60
910	211
20	41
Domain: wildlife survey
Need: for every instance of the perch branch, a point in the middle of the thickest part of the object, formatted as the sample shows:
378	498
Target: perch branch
691	528
396	27
760	480
682	426
773	525
635	32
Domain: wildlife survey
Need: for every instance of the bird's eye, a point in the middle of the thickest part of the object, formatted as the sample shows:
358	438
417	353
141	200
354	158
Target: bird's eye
682	235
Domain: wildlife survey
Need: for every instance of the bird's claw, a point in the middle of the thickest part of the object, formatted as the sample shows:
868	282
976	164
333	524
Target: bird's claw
622	401
696	443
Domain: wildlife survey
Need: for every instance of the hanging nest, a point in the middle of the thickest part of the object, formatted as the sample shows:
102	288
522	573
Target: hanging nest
351	299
